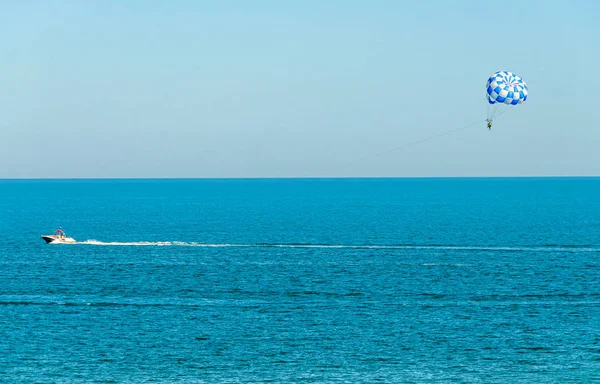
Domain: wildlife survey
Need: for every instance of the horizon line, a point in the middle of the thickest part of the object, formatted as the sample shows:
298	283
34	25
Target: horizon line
304	177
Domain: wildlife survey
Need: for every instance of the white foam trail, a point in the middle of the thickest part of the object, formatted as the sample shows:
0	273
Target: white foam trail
341	246
135	243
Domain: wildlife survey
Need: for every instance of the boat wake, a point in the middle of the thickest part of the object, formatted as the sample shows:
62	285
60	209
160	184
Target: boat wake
543	248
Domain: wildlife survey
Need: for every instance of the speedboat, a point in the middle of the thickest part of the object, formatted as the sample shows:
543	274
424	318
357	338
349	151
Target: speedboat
59	237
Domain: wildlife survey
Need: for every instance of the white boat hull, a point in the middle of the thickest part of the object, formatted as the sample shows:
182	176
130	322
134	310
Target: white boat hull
54	239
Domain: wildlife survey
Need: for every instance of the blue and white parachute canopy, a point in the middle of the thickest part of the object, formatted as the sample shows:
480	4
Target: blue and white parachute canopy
507	88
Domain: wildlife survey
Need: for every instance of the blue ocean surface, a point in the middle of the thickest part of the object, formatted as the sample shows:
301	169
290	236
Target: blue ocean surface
483	280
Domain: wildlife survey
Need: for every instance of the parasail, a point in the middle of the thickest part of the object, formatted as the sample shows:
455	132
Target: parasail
504	90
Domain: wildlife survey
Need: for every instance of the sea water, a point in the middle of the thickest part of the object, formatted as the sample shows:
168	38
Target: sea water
308	280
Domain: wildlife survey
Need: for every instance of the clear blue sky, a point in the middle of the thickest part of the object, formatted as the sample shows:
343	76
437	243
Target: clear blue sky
280	88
